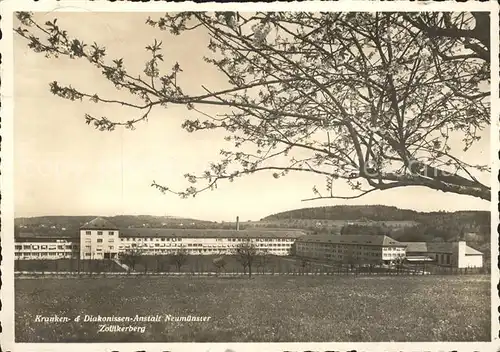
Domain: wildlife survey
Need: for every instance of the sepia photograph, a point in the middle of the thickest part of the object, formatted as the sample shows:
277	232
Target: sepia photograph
252	175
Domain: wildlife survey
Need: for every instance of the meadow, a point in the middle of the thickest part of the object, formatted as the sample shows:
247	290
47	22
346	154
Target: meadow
267	309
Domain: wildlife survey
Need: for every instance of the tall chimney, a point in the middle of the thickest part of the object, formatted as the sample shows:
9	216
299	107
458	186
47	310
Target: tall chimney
237	223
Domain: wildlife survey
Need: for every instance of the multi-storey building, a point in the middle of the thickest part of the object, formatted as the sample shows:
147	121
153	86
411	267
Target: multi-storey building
350	248
29	246
164	241
99	239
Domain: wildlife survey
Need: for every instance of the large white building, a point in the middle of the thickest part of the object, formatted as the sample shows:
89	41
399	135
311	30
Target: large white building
350	248
383	249
99	239
194	241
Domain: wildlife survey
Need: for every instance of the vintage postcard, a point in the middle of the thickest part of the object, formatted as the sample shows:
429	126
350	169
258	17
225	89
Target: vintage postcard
311	176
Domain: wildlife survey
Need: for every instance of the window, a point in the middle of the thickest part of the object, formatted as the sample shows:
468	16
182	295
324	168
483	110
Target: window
99	240
99	233
111	247
111	233
87	232
111	240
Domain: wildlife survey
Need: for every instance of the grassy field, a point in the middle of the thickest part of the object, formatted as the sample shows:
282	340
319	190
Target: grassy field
268	309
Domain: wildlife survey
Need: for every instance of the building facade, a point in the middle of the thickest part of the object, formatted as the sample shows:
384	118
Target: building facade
350	248
99	239
29	246
200	242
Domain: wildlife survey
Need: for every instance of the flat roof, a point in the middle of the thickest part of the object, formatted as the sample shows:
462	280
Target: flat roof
46	239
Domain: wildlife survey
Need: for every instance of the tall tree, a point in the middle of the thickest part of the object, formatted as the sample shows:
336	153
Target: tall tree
372	99
131	257
220	263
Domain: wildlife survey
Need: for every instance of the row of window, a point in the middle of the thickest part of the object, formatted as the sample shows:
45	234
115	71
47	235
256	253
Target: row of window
99	248
41	254
339	253
43	246
333	246
178	239
100	233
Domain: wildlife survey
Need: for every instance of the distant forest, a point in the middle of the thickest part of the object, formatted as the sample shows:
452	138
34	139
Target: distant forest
69	225
376	213
471	226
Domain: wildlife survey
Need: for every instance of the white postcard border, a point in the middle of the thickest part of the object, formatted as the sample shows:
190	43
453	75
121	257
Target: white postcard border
8	7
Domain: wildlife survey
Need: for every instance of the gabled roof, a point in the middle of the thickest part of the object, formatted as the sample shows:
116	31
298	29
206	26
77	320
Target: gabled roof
209	233
99	224
367	240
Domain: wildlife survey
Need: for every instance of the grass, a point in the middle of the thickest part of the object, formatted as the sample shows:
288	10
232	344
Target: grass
262	309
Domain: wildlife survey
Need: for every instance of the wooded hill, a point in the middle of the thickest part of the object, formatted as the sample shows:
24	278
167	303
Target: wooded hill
379	219
378	213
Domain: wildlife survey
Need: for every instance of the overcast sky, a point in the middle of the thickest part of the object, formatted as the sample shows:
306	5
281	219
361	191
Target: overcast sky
65	167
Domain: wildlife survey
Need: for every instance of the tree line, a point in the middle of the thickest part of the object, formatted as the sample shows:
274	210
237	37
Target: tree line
247	254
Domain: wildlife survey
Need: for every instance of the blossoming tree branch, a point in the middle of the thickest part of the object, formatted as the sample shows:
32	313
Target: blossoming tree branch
371	99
